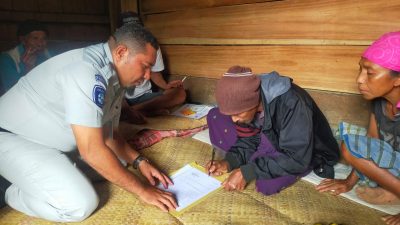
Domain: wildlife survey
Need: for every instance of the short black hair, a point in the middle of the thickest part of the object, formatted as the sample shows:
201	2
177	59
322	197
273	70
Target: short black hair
129	17
135	37
27	26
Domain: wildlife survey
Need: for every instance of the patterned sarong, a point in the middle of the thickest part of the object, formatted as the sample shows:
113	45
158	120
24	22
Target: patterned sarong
376	150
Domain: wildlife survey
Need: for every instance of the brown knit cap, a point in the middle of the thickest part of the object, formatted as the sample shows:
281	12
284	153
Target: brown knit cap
237	91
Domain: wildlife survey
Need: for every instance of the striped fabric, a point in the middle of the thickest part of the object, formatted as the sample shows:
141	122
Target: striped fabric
376	150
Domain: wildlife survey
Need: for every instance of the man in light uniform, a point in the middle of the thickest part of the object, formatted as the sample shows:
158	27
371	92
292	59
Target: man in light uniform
73	101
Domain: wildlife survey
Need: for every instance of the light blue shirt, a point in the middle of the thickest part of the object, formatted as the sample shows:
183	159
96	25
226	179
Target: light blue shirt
77	87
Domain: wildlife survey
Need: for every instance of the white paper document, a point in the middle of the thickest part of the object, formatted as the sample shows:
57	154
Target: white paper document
190	185
203	136
341	172
192	111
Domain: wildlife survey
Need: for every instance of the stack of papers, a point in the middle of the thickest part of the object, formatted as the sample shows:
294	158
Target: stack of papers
193	111
191	185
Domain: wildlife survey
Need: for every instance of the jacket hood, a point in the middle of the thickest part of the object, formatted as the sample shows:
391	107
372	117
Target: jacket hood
274	85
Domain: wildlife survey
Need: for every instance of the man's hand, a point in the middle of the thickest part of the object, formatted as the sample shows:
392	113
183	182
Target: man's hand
29	58
174	84
335	186
151	173
162	199
217	168
338	186
235	181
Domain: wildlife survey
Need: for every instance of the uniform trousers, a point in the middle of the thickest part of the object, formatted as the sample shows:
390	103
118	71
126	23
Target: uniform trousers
46	182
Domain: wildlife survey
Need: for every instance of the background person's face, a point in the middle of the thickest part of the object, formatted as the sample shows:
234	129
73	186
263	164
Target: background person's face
133	69
373	80
35	41
245	117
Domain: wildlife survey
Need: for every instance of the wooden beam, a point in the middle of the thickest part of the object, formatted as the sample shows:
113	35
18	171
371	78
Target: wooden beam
220	41
13	16
114	7
157	6
289	19
332	68
129	5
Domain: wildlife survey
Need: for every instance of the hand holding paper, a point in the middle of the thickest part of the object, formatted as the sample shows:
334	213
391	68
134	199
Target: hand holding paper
191	185
151	173
160	198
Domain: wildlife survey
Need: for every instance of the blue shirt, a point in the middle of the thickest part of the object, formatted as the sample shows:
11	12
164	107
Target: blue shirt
12	68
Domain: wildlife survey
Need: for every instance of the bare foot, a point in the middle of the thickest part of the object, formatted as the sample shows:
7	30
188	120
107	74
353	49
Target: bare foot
378	196
392	219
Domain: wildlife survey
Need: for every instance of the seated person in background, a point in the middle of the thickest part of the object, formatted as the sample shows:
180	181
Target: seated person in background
272	130
140	99
374	154
31	51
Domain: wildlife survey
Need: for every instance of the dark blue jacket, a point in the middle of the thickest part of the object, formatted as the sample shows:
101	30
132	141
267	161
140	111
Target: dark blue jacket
295	126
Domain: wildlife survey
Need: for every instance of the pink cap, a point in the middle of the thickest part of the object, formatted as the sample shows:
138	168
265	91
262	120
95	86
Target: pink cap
385	51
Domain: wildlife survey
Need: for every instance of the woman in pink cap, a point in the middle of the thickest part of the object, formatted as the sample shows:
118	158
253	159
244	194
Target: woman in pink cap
374	154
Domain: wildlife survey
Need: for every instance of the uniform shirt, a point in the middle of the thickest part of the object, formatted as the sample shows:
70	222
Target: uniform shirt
77	87
145	87
12	68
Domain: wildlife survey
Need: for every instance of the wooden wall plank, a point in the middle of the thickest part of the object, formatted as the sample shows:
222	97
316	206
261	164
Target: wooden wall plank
114	9
129	5
8	32
54	17
25	5
50	6
75	21
157	6
290	19
332	68
96	7
6	5
73	6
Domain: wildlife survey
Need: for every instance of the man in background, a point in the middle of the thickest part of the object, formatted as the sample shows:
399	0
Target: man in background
141	101
30	52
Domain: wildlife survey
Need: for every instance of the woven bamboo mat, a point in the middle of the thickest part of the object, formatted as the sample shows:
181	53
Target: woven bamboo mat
299	204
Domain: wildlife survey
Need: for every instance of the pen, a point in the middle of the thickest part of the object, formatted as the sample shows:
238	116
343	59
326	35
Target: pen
212	159
184	79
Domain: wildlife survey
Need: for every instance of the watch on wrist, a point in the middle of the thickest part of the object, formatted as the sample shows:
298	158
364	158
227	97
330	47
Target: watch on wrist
137	161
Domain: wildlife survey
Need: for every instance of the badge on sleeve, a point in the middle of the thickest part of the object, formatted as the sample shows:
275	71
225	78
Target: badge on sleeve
99	94
100	79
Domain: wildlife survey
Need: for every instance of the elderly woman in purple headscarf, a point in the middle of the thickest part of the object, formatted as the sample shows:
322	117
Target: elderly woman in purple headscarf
374	154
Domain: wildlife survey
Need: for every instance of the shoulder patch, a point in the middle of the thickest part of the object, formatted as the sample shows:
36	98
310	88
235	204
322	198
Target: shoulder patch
100	79
99	94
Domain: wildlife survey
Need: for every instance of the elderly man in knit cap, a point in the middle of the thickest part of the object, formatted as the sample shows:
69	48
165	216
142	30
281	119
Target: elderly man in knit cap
31	51
375	153
272	130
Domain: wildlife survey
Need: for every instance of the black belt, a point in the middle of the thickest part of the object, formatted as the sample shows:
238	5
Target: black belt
4	130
